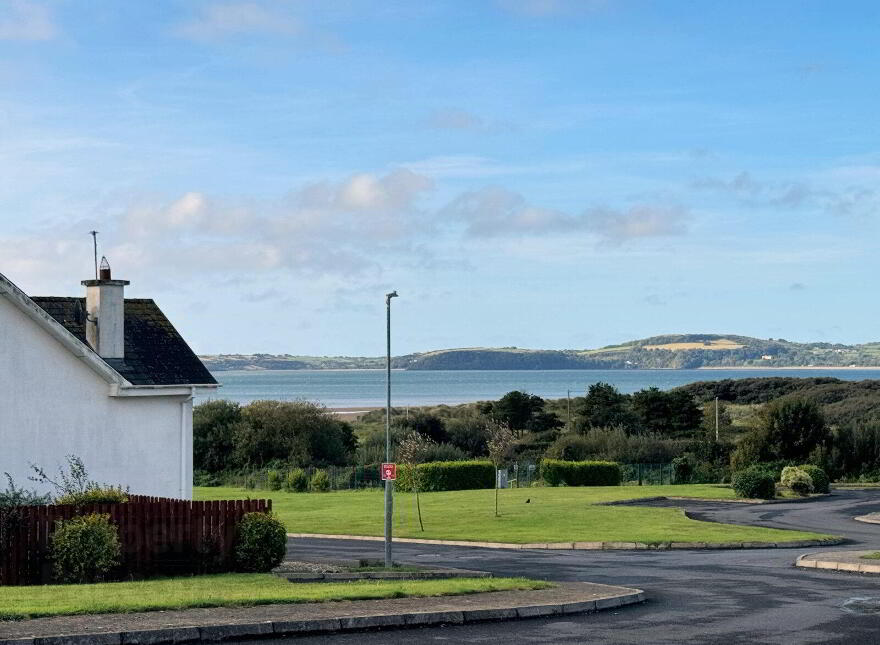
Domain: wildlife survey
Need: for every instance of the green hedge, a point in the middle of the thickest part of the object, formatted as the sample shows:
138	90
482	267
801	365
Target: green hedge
448	475
580	473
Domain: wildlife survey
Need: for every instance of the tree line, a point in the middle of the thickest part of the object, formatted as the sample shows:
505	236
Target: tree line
773	421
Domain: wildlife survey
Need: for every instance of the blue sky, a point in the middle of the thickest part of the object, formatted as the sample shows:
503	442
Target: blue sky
537	173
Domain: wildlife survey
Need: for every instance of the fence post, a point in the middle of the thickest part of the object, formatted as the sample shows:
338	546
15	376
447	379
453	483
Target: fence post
639	466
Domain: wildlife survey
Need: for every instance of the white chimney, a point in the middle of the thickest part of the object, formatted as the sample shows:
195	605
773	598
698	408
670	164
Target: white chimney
105	313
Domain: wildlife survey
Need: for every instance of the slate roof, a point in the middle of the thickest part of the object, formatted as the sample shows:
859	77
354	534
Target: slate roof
155	353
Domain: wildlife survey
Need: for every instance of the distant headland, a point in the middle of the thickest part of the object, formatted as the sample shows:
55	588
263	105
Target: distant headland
674	351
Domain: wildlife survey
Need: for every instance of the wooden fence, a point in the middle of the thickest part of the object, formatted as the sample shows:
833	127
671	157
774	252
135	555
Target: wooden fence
157	535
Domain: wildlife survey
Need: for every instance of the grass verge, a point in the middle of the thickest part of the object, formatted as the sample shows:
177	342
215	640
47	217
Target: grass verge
871	556
551	515
226	590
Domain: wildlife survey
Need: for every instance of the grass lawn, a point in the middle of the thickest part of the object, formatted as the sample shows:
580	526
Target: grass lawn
225	590
552	515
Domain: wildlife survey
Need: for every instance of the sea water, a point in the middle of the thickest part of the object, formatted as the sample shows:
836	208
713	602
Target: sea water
366	388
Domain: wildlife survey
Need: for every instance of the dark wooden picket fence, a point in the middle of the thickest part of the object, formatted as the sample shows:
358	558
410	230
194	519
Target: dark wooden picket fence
157	535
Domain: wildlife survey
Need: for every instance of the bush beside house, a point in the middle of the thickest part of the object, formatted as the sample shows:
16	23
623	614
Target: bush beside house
85	549
261	543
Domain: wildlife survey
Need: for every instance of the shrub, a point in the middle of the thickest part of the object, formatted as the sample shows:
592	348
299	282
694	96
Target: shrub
682	470
580	473
449	475
320	482
204	478
85	549
754	483
444	452
821	483
297	481
614	444
570	447
11	513
797	480
260	542
100	495
274	479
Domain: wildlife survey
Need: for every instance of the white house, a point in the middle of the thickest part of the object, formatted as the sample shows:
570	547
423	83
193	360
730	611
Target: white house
104	378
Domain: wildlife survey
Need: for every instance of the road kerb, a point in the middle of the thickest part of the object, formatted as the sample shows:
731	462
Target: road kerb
211	633
581	546
847	561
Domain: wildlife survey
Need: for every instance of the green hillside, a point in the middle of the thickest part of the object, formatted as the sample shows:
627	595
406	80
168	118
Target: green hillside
673	351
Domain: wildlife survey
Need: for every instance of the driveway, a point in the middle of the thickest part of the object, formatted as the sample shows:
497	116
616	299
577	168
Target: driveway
695	597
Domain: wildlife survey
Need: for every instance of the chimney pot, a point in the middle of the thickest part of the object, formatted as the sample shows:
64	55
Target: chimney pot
105	313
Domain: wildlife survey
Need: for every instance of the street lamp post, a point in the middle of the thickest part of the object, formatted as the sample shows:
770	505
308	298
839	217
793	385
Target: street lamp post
389	484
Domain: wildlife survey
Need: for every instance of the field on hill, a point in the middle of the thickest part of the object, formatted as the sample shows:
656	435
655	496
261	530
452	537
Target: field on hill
716	345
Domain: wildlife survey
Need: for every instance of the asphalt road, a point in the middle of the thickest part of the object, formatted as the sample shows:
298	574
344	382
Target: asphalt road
694	597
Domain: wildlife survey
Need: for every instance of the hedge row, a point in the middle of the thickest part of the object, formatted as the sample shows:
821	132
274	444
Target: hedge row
580	473
448	475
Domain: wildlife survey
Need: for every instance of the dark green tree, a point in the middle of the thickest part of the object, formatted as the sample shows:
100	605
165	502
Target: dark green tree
428	425
521	411
604	407
788	430
670	413
215	424
298	433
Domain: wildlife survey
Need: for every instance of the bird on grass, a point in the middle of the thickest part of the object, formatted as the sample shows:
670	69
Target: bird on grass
528	501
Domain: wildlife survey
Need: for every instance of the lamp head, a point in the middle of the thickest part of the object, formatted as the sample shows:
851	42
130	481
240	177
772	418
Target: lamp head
389	296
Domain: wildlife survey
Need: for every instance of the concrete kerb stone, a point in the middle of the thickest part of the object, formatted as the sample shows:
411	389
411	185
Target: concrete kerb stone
538	611
479	615
160	636
80	639
213	633
313	626
436	618
586	546
835	563
357	623
711	500
870	518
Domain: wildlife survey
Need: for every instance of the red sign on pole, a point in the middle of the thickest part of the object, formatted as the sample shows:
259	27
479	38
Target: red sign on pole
389	471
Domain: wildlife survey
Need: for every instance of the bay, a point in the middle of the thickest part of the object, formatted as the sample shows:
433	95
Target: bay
363	389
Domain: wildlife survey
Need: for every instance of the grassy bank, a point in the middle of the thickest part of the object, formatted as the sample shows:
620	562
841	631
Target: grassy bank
551	515
226	590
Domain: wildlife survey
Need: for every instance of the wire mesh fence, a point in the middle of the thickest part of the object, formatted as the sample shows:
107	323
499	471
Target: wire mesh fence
521	474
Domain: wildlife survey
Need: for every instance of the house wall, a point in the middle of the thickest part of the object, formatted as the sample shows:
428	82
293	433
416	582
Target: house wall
53	405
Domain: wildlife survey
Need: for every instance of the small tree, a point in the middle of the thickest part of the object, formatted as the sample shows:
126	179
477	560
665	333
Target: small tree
73	486
11	512
411	451
500	445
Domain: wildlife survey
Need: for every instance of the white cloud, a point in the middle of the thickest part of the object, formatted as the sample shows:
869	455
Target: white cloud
355	229
541	8
454	119
495	212
637	222
221	20
843	192
24	20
